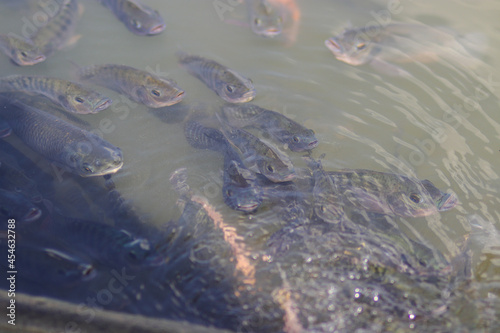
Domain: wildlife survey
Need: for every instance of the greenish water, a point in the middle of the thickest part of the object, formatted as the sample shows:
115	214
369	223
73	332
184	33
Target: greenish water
442	124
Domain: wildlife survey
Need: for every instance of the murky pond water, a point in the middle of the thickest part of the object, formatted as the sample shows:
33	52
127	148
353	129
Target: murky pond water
440	123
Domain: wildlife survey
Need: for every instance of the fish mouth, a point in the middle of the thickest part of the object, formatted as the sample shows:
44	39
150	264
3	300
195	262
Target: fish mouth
178	98
333	46
246	97
249	207
447	202
32	215
271	32
33	61
312	144
5	132
103	104
157	29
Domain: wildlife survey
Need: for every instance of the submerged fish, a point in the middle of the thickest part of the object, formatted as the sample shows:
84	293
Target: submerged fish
443	201
259	156
72	96
290	15
140	86
21	51
387	193
59	31
67	146
295	136
228	84
265	19
138	18
382	47
14	205
13	179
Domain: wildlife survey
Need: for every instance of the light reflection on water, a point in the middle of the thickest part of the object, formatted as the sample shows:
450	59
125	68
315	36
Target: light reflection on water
441	124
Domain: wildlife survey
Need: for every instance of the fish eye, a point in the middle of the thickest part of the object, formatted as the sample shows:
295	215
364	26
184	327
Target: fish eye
229	193
296	138
270	168
361	46
257	21
78	99
136	24
415	198
87	168
24	54
155	92
229	89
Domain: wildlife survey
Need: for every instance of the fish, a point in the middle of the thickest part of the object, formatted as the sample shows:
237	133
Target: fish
72	96
141	86
13	179
102	242
239	188
5	129
385	46
21	51
58	32
265	20
328	205
297	137
14	205
137	17
386	193
76	150
259	156
228	84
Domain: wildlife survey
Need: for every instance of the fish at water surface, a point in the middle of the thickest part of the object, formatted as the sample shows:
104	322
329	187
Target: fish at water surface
228	84
59	31
14	205
141	86
72	96
67	146
389	193
265	19
396	43
295	136
137	17
21	51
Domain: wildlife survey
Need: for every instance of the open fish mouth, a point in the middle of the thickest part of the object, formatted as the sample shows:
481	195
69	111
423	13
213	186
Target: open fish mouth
5	132
156	29
34	61
333	46
271	32
249	207
246	97
312	144
447	202
32	215
103	104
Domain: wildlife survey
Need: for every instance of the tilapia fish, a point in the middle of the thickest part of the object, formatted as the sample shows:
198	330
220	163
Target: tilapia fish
265	19
382	47
259	156
59	31
15	205
67	146
138	18
72	96
228	84
390	194
295	136
21	51
140	86
13	179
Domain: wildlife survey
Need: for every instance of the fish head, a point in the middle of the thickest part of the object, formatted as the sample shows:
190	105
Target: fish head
276	170
235	88
16	205
301	141
78	99
21	51
67	268
158	93
328	210
94	157
444	201
266	20
352	47
143	20
244	199
138	250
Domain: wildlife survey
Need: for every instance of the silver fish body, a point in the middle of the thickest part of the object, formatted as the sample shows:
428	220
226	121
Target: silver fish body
140	86
228	84
138	18
73	97
67	146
